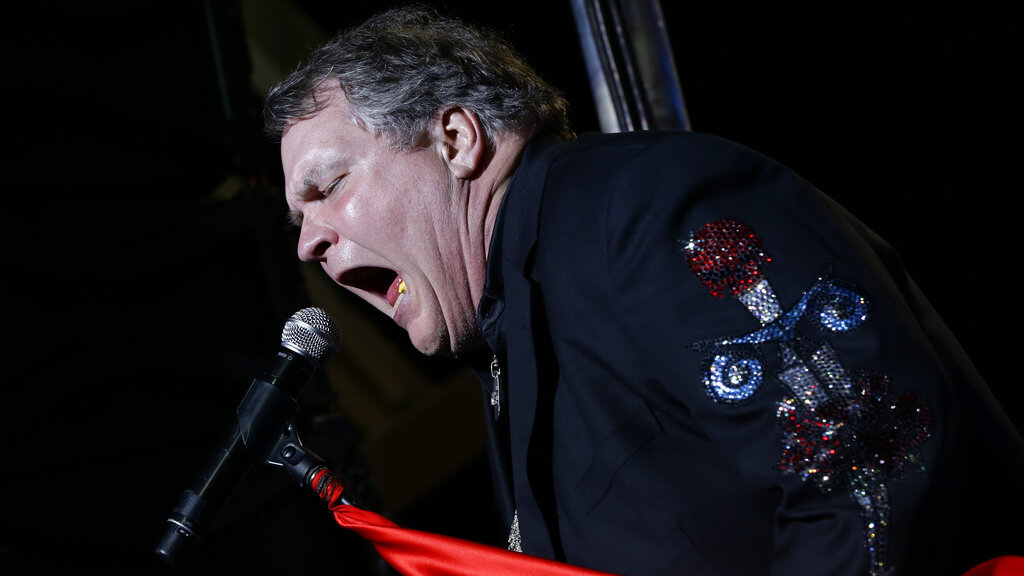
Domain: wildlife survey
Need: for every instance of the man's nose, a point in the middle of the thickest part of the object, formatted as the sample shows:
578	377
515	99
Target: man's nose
314	242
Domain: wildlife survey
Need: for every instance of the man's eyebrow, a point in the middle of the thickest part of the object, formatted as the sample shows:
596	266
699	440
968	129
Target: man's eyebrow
310	182
312	177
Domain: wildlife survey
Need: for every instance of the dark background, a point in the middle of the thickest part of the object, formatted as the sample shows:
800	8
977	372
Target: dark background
148	269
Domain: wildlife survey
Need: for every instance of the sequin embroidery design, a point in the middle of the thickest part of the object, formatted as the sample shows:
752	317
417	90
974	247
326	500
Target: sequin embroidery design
840	429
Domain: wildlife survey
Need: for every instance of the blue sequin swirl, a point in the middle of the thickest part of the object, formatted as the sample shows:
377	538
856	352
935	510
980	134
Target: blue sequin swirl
730	377
840	307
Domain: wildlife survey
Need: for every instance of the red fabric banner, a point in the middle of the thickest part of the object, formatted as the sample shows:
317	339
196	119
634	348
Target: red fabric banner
417	553
1001	566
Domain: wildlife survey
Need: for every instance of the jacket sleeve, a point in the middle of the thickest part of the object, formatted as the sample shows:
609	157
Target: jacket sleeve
789	336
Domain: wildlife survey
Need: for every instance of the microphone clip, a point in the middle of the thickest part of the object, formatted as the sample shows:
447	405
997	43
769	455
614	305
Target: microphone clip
266	422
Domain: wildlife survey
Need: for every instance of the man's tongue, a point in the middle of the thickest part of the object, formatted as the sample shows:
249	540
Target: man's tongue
397	287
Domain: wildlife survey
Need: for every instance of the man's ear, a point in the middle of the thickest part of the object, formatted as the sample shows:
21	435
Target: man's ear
460	141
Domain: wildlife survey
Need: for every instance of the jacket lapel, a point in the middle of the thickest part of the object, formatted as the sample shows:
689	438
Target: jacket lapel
510	284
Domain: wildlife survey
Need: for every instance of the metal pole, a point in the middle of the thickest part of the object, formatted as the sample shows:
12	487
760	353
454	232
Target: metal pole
630	64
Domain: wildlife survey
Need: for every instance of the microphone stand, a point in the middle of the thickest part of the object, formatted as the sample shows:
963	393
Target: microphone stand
266	423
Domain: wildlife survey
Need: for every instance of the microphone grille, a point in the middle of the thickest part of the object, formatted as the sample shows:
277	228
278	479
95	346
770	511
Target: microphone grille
312	333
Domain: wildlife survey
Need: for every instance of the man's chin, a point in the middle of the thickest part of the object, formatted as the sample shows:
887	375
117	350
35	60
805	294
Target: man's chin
431	344
440	343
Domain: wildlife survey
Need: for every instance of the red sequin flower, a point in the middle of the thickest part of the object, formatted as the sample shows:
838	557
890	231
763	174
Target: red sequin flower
877	432
726	256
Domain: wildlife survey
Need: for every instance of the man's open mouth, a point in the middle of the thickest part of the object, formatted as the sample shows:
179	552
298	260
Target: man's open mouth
383	282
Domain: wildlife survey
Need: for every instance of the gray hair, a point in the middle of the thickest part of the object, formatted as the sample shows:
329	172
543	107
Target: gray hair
400	68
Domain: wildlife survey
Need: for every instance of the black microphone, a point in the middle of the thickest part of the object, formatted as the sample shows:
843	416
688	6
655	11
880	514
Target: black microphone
309	338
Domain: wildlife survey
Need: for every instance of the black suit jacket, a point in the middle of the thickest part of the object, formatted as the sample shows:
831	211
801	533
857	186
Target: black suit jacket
815	417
